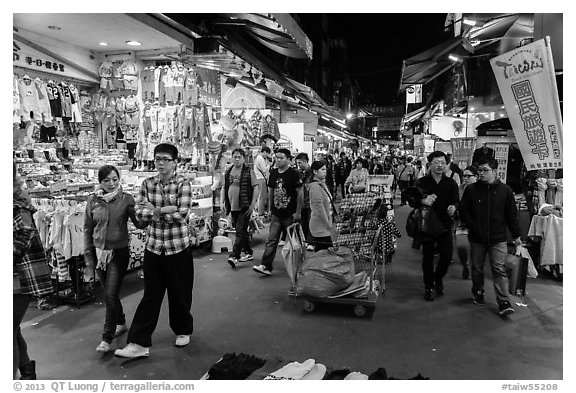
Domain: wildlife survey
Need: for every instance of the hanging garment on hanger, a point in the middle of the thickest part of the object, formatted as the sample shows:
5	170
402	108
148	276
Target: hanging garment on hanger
120	108
256	126
190	94
169	84
132	111
15	100
29	100
130	75
179	75
76	114
117	77
157	81
106	71
54	99
45	111
147	82
146	119
66	99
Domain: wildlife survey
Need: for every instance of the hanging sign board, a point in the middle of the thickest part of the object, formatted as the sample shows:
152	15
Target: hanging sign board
527	84
428	146
208	86
501	155
462	151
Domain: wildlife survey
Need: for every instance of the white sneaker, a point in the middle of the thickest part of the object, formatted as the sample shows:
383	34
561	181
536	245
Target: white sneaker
262	270
132	350
103	347
246	258
182	340
232	262
281	242
120	329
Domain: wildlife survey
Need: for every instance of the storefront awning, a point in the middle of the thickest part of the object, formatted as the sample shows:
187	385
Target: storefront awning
415	115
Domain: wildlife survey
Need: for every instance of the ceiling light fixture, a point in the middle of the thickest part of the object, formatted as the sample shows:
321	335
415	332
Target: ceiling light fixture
454	58
103	43
133	43
248	78
261	85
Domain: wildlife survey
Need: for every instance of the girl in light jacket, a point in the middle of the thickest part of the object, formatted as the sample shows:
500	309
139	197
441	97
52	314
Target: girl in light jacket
321	208
106	246
358	178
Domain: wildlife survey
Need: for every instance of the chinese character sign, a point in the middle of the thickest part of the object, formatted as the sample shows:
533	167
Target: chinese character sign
414	94
462	151
527	83
501	155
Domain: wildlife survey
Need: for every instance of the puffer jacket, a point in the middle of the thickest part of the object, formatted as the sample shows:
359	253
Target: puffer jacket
487	210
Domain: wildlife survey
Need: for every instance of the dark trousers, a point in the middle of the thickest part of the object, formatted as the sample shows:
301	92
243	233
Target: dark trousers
305	222
277	224
172	273
240	221
402	185
111	280
20	349
321	243
342	189
442	243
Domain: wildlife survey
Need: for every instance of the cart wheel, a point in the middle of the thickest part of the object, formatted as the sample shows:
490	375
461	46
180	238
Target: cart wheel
308	306
359	310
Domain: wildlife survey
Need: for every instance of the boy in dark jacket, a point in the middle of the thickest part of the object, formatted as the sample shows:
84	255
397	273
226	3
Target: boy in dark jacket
488	208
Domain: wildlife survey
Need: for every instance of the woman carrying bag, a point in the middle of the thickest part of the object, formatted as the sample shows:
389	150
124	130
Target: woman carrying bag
106	246
321	207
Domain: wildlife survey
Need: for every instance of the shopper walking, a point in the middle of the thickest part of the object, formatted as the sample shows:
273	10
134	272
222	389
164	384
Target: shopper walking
106	246
358	179
376	168
344	169
329	161
240	195
442	196
306	176
31	274
286	198
321	206
488	209
164	202
470	175
405	176
262	171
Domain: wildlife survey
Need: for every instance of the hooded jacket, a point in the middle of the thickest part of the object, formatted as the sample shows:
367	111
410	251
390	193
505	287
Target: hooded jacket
487	210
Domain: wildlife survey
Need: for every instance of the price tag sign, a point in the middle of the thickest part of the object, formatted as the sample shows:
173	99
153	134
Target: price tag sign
58	186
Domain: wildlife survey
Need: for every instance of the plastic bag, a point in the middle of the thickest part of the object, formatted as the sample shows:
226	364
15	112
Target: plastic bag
293	250
326	272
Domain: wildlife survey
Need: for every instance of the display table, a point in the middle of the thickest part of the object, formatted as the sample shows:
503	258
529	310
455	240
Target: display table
548	230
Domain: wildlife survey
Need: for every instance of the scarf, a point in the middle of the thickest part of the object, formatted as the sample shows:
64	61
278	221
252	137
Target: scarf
110	196
105	256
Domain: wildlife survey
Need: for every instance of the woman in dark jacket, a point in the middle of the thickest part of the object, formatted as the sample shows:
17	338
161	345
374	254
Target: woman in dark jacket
106	246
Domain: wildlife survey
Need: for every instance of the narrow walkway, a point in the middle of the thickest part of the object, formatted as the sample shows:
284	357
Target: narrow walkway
240	311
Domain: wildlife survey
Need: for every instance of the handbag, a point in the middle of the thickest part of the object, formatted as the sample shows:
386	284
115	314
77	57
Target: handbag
517	271
294	250
423	224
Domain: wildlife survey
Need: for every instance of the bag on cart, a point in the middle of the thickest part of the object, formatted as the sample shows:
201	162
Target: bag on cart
326	272
294	250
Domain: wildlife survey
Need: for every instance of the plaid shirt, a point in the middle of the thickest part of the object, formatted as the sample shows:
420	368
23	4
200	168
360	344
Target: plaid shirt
29	258
167	233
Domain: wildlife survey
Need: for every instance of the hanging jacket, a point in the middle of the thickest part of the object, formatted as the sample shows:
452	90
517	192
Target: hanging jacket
487	210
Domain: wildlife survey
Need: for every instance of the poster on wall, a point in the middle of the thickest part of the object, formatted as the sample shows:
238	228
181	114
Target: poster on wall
462	151
527	83
428	146
501	156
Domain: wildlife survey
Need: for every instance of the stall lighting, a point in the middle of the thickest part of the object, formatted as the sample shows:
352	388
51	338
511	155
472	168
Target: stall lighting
454	58
103	44
133	43
261	85
349	115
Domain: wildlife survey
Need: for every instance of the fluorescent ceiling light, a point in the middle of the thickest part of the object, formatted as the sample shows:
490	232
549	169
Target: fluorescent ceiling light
133	43
454	58
103	44
469	22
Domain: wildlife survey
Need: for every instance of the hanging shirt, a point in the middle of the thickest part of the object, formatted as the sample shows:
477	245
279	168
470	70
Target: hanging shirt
29	100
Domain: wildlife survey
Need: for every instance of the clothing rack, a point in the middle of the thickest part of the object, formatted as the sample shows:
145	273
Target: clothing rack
21	71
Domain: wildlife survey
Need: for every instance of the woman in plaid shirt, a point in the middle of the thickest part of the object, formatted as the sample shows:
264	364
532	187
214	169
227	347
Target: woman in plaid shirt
164	202
31	274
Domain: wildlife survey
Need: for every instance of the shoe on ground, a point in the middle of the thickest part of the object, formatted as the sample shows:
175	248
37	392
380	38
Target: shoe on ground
182	340
478	298
310	247
429	295
103	347
132	350
246	258
232	262
505	308
465	272
281	242
262	270
120	330
439	289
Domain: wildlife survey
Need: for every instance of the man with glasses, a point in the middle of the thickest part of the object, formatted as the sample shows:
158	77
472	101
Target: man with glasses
285	197
488	208
240	194
442	197
164	202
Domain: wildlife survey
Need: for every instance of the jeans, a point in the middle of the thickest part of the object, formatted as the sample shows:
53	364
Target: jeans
20	349
321	243
240	221
442	243
463	249
111	280
172	273
497	255
277	224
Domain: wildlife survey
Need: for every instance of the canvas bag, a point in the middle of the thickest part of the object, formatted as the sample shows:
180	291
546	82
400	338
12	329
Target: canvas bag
517	271
294	250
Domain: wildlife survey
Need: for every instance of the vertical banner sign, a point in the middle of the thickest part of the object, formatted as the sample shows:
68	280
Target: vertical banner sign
527	84
501	155
462	151
428	146
414	94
